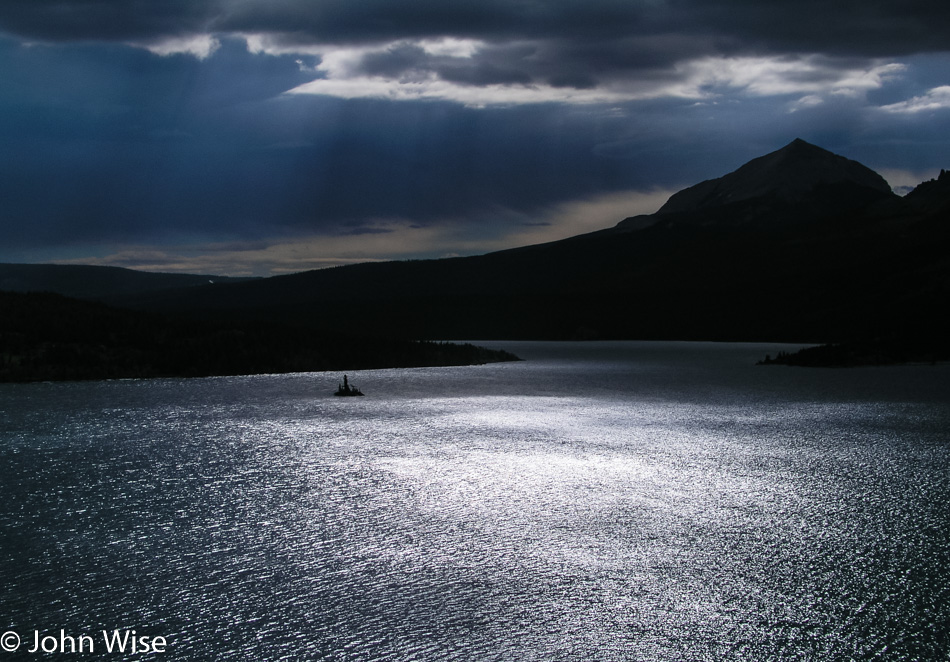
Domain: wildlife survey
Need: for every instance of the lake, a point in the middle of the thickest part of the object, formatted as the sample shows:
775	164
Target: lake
597	501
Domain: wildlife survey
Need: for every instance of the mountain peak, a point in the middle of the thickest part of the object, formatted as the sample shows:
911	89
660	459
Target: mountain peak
790	174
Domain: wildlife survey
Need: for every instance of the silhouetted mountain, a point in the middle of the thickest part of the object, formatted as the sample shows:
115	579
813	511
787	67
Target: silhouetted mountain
92	282
799	245
798	183
934	194
796	173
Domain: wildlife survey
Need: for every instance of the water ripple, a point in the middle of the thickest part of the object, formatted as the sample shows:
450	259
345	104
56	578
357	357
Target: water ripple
664	510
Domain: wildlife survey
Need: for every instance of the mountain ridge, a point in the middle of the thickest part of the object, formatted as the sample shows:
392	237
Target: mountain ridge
83	281
814	260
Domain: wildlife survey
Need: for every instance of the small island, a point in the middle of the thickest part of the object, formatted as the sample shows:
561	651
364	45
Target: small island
345	389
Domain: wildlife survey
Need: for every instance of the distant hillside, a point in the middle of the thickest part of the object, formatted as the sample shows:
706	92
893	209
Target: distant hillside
928	345
49	337
92	282
933	194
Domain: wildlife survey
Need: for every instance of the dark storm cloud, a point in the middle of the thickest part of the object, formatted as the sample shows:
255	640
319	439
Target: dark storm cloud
868	28
560	43
490	65
115	20
409	61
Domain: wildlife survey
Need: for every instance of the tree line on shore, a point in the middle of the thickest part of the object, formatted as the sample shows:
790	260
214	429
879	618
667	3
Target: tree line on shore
48	337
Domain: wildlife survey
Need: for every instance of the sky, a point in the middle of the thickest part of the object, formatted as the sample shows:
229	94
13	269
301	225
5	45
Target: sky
260	137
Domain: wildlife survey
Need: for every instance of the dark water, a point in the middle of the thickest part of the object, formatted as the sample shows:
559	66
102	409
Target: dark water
604	501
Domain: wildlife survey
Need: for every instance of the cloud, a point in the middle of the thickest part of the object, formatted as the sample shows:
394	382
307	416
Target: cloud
498	52
560	43
200	46
807	101
432	88
775	76
937	98
406	71
875	28
146	21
